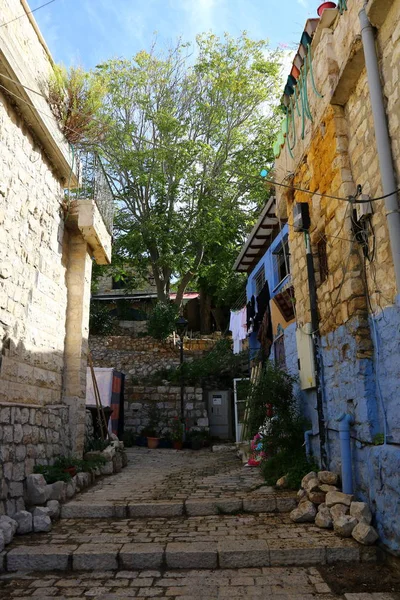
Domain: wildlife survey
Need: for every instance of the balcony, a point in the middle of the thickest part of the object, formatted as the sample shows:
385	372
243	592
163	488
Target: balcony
91	207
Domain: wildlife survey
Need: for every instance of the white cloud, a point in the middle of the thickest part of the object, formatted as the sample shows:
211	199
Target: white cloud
303	3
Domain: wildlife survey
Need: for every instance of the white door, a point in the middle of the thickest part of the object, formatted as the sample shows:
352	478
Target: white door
240	390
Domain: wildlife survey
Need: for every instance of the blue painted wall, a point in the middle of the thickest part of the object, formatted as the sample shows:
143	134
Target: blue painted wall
369	389
268	261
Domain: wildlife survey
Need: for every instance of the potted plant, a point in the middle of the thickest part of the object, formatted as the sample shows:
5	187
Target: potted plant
177	433
152	430
323	6
165	441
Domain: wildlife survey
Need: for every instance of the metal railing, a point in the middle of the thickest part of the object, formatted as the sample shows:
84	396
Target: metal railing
94	185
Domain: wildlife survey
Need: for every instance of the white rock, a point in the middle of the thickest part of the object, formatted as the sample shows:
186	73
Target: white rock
324	519
316	497
12	522
8	532
307	478
361	512
365	534
71	488
312	485
304	513
344	525
301	495
339	510
36	489
54	507
41	511
328	477
107	469
282	483
24	521
58	491
333	498
41	523
324	487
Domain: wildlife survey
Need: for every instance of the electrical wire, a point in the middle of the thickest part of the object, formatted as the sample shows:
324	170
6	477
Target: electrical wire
27	13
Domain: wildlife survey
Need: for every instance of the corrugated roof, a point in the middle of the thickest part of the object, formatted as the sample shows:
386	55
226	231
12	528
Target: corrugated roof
259	240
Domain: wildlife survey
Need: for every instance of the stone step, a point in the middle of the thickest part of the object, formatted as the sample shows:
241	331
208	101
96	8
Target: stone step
225	554
191	507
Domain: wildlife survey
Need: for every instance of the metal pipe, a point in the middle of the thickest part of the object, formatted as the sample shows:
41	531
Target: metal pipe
345	421
382	141
316	340
182	392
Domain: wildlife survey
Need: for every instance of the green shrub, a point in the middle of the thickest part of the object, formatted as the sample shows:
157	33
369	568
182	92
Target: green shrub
162	320
129	439
96	445
294	466
101	322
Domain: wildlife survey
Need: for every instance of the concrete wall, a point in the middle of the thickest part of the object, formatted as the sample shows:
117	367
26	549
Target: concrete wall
359	323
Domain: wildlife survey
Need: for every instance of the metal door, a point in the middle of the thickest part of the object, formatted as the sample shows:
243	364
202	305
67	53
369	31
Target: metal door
240	390
219	414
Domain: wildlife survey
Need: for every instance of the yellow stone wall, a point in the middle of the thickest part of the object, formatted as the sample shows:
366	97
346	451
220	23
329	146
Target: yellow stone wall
337	154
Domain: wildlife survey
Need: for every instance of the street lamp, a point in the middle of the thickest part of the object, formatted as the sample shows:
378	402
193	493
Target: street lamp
181	326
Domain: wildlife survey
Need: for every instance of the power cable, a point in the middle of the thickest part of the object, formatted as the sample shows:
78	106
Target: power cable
27	13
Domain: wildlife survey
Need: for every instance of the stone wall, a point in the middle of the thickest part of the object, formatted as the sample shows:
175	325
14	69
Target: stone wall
29	435
168	400
359	322
141	357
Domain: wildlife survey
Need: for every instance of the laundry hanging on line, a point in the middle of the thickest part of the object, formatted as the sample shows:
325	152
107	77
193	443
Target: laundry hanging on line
238	327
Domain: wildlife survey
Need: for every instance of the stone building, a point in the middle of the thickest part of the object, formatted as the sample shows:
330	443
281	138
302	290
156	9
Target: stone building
328	145
47	244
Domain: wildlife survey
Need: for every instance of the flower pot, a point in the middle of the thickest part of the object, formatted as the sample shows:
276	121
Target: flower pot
141	441
71	471
197	444
323	6
152	443
177	445
165	444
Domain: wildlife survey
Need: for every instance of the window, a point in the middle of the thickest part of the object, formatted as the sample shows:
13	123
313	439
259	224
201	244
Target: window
259	280
323	260
282	262
279	351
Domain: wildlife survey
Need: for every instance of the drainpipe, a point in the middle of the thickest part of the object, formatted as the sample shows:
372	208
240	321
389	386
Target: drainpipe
382	141
316	342
345	422
307	442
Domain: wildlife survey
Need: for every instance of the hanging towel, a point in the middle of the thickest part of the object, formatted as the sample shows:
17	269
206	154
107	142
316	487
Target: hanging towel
238	327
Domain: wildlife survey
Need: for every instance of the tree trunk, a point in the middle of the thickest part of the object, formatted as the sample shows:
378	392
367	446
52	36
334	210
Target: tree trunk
205	312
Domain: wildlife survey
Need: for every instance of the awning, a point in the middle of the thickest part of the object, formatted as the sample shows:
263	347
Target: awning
263	233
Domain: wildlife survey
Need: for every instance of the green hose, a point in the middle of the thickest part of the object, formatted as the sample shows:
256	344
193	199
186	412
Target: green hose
342	6
309	57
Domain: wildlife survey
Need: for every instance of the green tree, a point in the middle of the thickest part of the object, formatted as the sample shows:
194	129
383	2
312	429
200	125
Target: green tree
184	143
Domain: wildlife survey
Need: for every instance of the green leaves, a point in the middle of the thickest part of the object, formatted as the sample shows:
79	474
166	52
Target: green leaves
184	152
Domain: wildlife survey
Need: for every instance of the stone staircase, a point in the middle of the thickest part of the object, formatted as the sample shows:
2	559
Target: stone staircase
222	527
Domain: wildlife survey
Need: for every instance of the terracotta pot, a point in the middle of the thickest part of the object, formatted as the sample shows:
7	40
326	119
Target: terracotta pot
71	471
295	72
152	443
323	6
177	445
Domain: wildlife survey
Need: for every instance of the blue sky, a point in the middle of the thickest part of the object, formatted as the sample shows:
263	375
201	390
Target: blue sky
87	32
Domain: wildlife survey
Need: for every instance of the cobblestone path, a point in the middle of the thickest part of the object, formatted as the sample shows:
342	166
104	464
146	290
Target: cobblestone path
158	530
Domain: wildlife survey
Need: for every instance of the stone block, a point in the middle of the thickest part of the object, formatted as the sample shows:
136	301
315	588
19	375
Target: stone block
24	521
7	530
328	477
155	509
333	498
304	513
323	518
96	557
36	489
307	478
2	540
280	557
58	491
195	555
12	522
71	488
54	508
365	534
343	554
285	504
338	510
259	505
344	525
361	512
316	497
238	554
81	510
312	485
41	557
107	469
141	556
41	523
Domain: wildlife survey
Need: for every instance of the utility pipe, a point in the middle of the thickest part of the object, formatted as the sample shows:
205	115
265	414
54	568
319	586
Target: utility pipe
382	141
345	422
307	442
